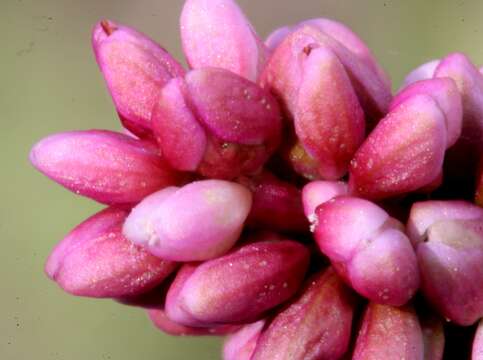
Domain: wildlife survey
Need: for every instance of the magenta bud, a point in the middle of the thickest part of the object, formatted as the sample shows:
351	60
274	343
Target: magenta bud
404	153
239	287
422	72
198	221
240	345
96	260
216	33
328	119
316	325
216	123
368	248
319	192
277	204
426	213
477	351
135	69
284	71
389	333
108	167
451	272
162	322
446	95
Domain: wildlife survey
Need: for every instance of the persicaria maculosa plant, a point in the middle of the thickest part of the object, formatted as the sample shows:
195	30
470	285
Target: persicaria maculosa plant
279	193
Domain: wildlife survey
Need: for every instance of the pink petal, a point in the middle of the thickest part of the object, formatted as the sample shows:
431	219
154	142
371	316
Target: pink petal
404	152
108	167
96	260
240	345
316	325
200	221
216	33
319	192
135	69
329	120
389	333
239	287
422	72
477	352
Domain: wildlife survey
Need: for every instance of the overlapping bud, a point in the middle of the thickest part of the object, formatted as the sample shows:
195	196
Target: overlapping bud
211	211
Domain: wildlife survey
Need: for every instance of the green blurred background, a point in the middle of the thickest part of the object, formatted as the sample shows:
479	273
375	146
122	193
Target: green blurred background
49	82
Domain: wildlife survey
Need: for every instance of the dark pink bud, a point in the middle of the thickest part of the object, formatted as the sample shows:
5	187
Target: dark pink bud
216	33
389	333
239	287
422	72
135	69
217	123
317	325
424	214
240	345
328	119
451	272
404	152
198	221
368	248
162	322
108	167
447	96
319	192
276	204
96	260
477	352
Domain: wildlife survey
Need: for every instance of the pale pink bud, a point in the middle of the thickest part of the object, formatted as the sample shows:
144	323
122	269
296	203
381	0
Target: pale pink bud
198	221
162	322
216	33
96	260
240	345
426	213
404	152
446	95
135	69
317	325
477	352
451	272
108	167
422	72
368	248
216	123
319	192
329	121
389	333
277	204
239	287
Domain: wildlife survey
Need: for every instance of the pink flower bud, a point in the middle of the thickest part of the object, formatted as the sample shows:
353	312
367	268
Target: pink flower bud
108	167
284	71
389	333
477	352
328	119
368	249
404	152
216	123
319	192
239	287
451	272
424	214
240	345
162	322
422	72
199	221
317	325
277	204
216	33
135	69
446	94
96	260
